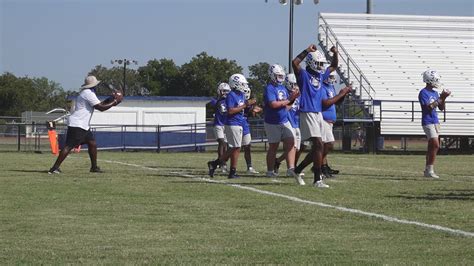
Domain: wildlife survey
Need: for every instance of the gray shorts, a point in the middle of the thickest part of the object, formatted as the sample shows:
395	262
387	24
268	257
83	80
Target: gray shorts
326	134
219	133
277	133
310	125
432	130
246	139
234	136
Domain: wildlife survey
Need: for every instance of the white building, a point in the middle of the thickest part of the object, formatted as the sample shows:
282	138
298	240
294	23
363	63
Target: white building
149	122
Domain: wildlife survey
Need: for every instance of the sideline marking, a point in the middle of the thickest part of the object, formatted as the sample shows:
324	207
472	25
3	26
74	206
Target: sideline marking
320	204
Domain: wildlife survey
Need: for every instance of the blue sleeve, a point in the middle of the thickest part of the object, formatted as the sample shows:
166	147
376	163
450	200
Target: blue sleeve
213	102
230	101
269	96
424	98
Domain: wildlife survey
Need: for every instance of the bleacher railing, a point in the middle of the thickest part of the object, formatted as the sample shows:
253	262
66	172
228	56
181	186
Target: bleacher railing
350	72
416	109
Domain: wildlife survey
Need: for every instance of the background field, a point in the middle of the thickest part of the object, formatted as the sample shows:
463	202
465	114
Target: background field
159	208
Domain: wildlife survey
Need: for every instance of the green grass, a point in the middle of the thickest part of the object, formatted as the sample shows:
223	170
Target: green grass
134	215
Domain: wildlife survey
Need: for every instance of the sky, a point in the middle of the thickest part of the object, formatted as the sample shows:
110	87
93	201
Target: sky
64	40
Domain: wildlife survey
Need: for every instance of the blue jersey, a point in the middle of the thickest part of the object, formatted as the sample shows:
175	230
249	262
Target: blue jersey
234	99
311	93
273	93
329	113
426	97
221	112
294	114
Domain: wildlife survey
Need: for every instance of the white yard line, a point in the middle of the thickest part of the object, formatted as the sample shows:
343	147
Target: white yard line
320	204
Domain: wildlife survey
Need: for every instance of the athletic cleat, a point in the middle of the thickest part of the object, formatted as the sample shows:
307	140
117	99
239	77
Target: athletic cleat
212	168
233	176
298	177
251	170
96	170
276	167
271	174
54	171
430	174
325	171
320	184
332	171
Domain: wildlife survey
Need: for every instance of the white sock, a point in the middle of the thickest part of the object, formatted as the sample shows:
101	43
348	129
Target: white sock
430	168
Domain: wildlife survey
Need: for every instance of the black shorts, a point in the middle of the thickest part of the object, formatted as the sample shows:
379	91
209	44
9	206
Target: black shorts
77	136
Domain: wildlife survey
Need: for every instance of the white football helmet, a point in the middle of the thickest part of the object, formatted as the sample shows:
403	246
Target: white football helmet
432	77
277	74
223	89
247	92
331	79
290	81
316	61
238	82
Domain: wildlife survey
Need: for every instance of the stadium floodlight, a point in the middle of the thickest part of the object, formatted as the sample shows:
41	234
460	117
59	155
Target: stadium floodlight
290	42
125	62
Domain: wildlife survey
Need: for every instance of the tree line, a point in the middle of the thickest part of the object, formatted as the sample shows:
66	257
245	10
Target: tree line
159	77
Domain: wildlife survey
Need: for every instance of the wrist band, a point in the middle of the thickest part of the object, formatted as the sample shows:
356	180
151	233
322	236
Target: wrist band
302	55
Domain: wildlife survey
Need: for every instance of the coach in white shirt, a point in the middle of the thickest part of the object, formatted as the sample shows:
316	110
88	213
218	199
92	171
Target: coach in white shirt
78	131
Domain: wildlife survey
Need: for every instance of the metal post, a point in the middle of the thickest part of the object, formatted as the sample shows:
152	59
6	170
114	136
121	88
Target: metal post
159	138
369	6
19	138
124	75
290	45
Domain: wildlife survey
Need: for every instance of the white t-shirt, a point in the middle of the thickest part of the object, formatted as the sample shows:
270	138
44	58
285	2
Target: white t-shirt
83	109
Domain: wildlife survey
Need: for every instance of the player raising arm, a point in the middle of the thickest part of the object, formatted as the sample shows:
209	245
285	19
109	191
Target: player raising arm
309	82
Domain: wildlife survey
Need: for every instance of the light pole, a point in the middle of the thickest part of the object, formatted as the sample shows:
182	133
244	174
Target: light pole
125	62
290	37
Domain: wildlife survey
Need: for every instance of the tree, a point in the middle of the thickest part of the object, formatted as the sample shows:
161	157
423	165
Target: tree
114	76
160	77
23	94
203	73
258	79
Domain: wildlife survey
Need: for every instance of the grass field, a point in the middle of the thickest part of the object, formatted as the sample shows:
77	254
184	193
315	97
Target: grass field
150	208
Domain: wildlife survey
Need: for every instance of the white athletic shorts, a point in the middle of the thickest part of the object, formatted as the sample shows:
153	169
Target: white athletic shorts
310	125
326	133
432	130
219	133
246	139
234	136
277	133
297	138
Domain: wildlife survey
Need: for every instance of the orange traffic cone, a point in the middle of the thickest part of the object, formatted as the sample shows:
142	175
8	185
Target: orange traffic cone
53	141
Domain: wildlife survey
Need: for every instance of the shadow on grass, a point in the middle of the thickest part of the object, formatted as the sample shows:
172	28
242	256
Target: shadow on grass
170	167
28	171
456	195
232	182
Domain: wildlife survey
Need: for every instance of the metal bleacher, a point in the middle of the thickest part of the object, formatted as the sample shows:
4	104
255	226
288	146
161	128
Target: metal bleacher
383	56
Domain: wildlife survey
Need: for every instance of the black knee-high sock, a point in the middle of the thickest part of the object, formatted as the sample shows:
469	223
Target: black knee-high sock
308	159
317	174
